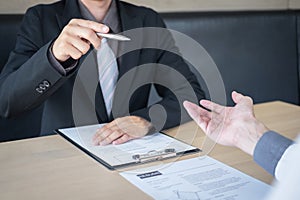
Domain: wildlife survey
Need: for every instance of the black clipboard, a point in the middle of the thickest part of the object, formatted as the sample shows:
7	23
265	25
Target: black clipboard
137	158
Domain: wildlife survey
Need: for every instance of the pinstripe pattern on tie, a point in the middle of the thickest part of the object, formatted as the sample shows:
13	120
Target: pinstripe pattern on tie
108	73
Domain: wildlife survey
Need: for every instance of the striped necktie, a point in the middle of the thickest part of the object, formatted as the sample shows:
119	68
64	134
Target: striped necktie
108	73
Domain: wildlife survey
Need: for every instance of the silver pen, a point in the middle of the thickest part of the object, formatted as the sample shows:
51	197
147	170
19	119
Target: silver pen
114	36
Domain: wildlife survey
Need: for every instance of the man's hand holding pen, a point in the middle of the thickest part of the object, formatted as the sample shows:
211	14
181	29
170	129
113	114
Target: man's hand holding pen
76	37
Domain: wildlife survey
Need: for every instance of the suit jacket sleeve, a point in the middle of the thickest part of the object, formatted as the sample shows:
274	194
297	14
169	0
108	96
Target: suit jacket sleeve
178	89
28	78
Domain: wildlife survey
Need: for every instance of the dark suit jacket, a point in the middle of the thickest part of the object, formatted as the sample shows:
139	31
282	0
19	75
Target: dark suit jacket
28	79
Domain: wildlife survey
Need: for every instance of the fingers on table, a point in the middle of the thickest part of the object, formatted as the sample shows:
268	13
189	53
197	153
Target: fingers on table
109	133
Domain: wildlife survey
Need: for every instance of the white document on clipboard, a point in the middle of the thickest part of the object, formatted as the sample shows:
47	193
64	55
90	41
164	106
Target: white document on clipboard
157	146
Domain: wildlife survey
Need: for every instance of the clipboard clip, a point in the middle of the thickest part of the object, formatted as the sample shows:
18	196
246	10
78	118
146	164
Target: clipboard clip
155	155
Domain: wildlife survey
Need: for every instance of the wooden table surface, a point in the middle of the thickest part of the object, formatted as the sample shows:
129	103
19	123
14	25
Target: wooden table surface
51	168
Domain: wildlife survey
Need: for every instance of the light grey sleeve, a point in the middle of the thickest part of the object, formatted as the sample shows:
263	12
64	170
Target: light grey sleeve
269	150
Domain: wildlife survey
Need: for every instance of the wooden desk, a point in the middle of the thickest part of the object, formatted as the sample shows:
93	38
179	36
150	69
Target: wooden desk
51	168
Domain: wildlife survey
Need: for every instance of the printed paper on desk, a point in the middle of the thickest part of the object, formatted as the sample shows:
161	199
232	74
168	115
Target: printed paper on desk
117	156
201	178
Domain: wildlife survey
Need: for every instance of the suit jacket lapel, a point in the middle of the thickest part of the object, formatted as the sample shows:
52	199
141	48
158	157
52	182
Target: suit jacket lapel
128	21
89	76
70	11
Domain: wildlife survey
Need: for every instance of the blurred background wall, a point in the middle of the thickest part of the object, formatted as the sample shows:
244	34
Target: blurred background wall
20	6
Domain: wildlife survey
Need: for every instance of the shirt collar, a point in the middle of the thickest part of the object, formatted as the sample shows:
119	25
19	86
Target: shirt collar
111	18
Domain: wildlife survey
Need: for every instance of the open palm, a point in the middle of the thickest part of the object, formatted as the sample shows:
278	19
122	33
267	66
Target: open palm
230	126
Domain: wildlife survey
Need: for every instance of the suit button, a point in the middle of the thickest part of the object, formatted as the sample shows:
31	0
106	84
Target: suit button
46	83
39	90
42	87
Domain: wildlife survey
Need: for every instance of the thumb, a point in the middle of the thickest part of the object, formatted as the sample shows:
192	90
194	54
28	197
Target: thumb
242	100
236	97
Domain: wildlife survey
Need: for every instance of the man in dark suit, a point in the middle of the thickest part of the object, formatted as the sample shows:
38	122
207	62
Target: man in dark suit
56	40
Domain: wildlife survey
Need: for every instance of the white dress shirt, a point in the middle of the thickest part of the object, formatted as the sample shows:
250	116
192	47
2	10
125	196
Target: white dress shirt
287	186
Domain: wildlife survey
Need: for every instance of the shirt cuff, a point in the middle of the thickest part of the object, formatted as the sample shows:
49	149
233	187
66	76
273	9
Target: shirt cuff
62	68
286	161
269	150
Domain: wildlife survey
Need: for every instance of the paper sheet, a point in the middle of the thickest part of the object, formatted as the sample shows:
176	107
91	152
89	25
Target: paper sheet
116	155
202	178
